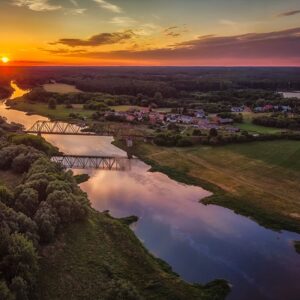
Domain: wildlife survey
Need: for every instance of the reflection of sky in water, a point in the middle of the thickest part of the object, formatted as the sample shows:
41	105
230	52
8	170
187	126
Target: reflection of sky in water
202	243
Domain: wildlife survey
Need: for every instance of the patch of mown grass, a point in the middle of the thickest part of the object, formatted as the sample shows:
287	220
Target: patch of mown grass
90	259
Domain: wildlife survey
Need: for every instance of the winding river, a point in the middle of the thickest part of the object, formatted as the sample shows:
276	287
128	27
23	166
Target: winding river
200	242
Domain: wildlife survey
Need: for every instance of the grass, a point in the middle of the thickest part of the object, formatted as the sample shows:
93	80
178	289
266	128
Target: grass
90	259
60	113
249	126
259	179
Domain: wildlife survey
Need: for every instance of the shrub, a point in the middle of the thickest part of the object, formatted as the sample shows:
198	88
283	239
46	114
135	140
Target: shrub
6	196
52	103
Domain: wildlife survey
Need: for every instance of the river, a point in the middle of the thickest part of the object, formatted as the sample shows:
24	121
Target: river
200	242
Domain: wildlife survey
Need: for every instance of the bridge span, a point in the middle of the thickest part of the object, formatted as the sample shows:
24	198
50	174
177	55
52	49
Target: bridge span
63	128
93	162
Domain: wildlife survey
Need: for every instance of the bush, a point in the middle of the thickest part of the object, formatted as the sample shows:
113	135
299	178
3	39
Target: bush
37	142
52	103
27	202
6	196
184	142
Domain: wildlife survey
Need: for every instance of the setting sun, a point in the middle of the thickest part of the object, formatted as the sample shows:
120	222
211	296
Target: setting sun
5	59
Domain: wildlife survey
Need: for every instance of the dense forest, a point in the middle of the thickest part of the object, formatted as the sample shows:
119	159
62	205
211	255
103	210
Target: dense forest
172	82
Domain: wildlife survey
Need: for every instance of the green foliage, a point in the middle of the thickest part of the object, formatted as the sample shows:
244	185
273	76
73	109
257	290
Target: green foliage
27	201
213	132
37	142
121	289
52	103
5	293
10	153
81	178
279	121
238	118
6	196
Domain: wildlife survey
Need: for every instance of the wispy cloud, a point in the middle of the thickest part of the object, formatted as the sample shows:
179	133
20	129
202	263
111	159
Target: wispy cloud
37	5
98	40
175	31
289	13
227	22
123	21
109	6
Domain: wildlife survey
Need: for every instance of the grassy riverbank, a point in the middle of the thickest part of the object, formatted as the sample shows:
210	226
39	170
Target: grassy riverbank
93	260
60	113
259	179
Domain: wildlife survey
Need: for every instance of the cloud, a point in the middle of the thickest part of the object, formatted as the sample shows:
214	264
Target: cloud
289	13
109	6
37	5
272	48
227	22
76	11
74	2
123	21
172	31
98	40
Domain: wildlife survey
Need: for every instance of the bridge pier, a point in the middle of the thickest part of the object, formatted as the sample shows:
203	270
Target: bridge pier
129	144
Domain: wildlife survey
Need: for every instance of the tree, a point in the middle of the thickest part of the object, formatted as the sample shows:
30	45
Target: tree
27	202
213	132
6	196
5	293
52	103
158	97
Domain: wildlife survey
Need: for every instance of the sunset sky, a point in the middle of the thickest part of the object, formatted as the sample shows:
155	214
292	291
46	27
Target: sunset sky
153	32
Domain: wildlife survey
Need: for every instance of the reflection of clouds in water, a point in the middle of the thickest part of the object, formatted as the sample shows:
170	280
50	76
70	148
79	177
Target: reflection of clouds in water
85	145
155	194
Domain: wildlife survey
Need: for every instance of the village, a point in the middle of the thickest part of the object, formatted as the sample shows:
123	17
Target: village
190	118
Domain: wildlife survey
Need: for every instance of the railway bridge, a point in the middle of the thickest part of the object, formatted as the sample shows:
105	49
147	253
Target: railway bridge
111	163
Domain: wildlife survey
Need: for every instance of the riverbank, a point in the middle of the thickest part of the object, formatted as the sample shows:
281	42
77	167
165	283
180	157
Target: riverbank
61	113
257	180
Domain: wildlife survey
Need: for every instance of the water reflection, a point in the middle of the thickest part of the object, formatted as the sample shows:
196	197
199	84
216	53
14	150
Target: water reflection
18	92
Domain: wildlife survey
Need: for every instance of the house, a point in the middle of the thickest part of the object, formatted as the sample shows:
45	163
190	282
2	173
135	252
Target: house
199	113
224	121
268	107
237	109
186	119
130	117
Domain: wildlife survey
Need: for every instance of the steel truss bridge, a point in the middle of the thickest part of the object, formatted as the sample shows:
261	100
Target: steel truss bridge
62	128
93	162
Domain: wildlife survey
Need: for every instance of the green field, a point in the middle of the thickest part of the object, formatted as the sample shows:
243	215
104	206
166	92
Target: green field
92	260
249	126
259	179
60	113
